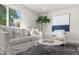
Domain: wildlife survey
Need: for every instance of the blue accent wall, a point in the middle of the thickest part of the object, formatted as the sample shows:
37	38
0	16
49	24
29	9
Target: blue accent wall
61	27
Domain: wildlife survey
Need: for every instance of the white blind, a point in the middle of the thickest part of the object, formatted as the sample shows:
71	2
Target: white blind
60	20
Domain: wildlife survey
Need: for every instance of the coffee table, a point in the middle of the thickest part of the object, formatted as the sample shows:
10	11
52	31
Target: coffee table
51	43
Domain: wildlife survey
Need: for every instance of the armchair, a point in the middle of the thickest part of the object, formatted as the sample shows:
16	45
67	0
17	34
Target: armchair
60	35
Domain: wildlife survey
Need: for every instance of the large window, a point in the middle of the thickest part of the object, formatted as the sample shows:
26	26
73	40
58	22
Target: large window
14	17
9	16
2	15
61	22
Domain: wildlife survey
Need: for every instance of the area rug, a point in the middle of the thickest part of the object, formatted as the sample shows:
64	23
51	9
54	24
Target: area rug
50	50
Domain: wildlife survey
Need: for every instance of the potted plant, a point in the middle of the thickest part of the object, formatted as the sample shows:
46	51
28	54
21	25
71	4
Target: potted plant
41	20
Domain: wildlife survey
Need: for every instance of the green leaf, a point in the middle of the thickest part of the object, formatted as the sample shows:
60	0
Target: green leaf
43	19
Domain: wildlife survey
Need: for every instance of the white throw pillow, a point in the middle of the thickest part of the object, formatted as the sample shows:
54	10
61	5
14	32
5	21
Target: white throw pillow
17	33
26	32
34	32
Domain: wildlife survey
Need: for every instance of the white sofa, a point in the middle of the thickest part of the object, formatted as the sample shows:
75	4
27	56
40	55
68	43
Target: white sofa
16	40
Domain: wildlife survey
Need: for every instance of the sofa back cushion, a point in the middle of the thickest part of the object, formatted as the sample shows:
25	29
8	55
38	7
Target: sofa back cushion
17	32
59	33
7	29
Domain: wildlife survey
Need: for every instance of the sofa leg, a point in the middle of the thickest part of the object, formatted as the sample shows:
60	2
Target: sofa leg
77	50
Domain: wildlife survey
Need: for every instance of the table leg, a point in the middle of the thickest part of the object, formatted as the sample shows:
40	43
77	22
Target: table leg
57	50
37	44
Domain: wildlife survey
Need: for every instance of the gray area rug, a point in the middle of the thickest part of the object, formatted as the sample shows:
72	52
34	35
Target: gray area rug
50	50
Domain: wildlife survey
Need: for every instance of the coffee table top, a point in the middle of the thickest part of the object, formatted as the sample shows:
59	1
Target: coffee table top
50	43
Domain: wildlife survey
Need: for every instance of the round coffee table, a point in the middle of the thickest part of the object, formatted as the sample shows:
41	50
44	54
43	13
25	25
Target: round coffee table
51	43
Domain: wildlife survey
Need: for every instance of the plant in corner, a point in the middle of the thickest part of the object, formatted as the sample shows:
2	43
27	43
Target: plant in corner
41	20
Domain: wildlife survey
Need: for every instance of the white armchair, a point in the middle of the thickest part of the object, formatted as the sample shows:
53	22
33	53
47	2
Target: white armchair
60	35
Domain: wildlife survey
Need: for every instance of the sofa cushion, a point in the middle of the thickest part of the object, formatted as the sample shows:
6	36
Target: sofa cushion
16	41
21	40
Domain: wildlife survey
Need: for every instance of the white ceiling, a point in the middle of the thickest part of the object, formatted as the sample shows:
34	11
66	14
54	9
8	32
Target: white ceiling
48	7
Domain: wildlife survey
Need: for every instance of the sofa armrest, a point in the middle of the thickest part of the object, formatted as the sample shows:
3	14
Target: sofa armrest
38	37
4	40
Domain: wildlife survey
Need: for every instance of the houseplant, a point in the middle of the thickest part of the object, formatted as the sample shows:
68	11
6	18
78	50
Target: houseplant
41	20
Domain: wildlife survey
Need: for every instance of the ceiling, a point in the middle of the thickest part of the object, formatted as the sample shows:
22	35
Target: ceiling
40	8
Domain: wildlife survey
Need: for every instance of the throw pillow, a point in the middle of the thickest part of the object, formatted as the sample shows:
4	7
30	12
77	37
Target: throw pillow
34	32
26	32
17	33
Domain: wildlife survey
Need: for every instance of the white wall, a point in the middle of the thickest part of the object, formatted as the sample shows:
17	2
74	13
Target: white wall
73	35
28	17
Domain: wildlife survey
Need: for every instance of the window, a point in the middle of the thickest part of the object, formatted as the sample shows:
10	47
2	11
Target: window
9	17
14	18
2	15
60	22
